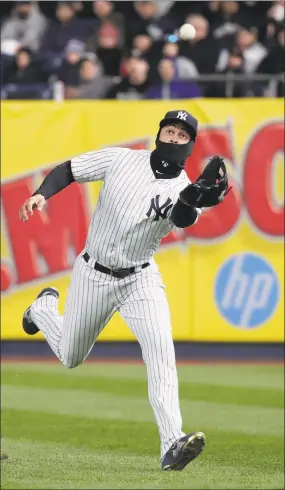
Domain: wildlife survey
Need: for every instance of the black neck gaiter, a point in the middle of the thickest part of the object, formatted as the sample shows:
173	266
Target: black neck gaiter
168	159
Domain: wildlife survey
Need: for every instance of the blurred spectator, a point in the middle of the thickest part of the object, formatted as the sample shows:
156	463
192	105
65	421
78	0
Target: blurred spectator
134	85
142	44
78	7
146	17
92	83
62	29
227	19
69	70
253	51
273	22
144	47
24	27
274	63
105	11
276	12
231	87
178	11
164	7
170	87
211	11
184	67
106	45
202	50
24	70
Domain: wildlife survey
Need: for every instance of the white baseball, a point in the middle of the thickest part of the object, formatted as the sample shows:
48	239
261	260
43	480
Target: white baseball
187	31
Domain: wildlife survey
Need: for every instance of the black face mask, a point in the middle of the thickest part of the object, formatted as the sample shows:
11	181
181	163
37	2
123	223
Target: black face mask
169	159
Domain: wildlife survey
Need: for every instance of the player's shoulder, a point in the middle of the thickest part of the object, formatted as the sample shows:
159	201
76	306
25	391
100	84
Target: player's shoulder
134	151
132	154
108	154
122	150
111	150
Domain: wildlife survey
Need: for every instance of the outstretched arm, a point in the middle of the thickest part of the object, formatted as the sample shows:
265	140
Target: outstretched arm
89	167
58	178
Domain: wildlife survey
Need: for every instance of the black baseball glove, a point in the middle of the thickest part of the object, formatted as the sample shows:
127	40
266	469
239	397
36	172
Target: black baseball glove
210	188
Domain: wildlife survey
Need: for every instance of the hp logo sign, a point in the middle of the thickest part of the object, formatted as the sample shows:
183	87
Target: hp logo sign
246	290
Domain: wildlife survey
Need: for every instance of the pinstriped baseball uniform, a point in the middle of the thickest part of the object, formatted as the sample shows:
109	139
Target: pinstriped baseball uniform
130	219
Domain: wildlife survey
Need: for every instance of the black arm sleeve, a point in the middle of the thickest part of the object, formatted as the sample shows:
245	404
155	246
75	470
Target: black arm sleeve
183	215
58	178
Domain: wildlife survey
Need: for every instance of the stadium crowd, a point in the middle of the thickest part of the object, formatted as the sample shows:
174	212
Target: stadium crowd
131	50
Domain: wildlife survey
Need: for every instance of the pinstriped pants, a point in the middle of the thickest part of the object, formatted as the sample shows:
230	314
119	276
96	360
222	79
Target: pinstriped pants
92	299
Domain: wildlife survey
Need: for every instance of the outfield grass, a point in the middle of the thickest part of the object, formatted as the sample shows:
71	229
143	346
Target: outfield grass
92	427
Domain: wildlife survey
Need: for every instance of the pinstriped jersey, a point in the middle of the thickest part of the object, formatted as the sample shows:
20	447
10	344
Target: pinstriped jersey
133	209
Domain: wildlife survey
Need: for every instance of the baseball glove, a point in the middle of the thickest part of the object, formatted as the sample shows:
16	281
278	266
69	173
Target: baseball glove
210	188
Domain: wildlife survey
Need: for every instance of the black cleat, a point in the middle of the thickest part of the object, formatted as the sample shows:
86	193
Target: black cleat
3	456
183	451
28	325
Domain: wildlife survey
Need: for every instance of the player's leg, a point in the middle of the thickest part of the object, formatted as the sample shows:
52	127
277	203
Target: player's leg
146	312
89	306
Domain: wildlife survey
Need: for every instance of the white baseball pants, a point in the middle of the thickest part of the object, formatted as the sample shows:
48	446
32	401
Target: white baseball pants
93	297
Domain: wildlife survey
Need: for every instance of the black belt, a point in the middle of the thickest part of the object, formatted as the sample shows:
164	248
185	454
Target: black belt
118	273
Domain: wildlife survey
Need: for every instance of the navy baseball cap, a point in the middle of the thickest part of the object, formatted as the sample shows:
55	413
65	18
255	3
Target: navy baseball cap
189	121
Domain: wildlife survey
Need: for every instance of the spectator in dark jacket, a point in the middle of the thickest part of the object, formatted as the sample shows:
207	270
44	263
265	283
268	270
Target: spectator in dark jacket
227	19
142	43
146	17
134	85
235	65
24	70
105	11
170	87
274	64
65	27
202	50
107	47
144	47
69	70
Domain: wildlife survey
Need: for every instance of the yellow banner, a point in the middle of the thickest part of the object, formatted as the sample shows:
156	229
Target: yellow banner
224	276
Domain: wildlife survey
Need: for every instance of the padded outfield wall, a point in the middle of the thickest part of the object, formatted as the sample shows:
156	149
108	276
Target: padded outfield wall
224	276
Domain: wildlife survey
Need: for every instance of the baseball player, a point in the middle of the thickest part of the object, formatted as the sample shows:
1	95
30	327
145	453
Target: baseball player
144	196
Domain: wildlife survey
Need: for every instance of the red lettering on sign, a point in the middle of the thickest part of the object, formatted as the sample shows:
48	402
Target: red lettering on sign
257	178
219	220
6	279
49	233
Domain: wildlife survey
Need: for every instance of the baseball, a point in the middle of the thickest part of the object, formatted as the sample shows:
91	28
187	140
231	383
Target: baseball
187	31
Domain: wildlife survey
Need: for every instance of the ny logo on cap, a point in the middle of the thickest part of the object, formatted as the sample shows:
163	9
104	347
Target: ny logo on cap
182	115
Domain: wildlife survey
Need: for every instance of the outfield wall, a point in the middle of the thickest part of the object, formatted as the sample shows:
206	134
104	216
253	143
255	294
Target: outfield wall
224	276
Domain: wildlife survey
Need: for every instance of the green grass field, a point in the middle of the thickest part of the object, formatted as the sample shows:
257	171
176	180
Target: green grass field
92	427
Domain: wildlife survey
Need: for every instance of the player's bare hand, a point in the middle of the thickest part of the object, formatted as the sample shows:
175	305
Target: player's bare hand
35	202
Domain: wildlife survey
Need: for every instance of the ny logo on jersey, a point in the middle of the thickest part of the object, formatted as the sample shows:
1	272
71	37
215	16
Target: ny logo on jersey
160	211
182	115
